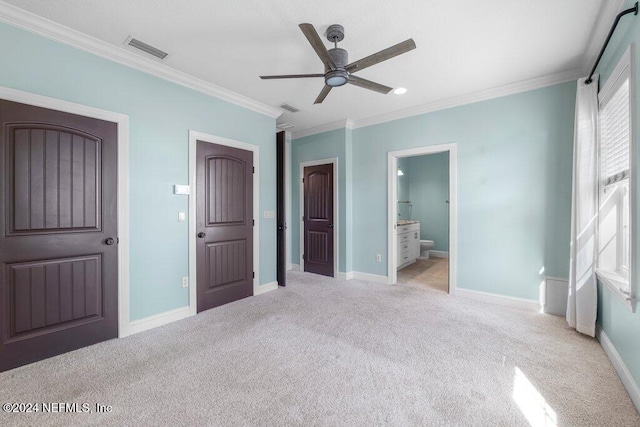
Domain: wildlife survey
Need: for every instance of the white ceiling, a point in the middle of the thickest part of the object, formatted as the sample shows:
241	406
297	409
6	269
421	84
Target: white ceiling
463	46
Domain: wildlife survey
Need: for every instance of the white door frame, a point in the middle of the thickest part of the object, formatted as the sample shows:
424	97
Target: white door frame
194	137
333	161
122	121
392	197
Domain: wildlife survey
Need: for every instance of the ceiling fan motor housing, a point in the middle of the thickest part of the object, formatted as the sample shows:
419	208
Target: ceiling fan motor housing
339	76
339	56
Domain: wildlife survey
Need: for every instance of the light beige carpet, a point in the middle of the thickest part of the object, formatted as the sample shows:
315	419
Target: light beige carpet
323	352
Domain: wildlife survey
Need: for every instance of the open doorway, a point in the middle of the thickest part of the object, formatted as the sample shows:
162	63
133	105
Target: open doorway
422	226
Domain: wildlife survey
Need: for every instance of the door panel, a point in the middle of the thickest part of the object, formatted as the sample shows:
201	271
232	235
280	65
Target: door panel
53	294
281	260
56	179
227	263
58	275
318	220
224	247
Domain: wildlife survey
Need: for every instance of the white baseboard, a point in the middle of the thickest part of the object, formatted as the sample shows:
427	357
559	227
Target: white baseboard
272	286
345	276
289	266
370	277
522	303
620	367
439	254
177	314
157	320
352	275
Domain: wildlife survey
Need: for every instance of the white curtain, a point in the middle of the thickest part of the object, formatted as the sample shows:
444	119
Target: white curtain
582	302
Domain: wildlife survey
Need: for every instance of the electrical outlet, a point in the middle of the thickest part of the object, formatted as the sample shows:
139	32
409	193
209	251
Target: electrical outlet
182	216
185	282
378	257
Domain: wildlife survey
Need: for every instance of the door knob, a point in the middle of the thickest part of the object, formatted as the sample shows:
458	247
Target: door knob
201	235
282	227
109	241
330	226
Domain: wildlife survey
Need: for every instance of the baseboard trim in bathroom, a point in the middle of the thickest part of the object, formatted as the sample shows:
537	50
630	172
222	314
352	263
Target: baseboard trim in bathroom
439	254
521	303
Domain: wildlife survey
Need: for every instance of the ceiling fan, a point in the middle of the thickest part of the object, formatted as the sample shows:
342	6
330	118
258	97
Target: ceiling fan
338	71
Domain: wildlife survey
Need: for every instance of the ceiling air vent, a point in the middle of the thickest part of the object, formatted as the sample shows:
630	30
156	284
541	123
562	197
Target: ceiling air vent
285	126
290	108
130	41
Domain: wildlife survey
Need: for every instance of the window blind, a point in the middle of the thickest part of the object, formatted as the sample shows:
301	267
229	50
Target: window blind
615	136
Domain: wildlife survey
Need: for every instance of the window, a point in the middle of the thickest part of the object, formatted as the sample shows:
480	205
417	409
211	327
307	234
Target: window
614	143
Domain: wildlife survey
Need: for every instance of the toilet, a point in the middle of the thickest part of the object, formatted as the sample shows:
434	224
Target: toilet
425	247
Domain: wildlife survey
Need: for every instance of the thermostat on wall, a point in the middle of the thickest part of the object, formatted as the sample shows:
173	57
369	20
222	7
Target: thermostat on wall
181	189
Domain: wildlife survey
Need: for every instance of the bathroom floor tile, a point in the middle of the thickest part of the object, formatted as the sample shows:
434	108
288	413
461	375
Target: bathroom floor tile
433	272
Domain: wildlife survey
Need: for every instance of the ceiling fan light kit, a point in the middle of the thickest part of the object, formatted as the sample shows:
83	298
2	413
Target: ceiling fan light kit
337	70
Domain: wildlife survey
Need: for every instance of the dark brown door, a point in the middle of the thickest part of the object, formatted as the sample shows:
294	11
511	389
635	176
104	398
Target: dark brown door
281	261
58	242
224	224
318	219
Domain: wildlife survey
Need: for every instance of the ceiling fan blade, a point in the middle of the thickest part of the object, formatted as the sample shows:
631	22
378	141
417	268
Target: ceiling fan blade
383	55
323	94
316	43
291	76
367	84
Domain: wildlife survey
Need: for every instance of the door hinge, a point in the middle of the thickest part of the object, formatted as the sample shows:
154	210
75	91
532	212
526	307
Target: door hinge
253	169
303	218
254	274
253	221
302	179
117	240
303	257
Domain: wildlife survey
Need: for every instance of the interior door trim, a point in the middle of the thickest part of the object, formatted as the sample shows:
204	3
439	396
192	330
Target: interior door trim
194	137
122	121
336	220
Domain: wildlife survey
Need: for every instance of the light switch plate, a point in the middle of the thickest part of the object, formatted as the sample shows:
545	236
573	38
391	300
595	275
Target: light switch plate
182	216
269	214
185	282
181	189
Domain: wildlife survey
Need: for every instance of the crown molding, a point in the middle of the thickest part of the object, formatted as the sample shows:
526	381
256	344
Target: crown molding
604	19
483	95
52	30
338	124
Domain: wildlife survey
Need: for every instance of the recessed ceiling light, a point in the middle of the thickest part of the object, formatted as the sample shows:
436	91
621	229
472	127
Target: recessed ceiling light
400	91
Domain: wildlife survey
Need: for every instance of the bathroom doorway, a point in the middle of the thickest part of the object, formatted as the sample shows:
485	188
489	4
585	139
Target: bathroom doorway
422	217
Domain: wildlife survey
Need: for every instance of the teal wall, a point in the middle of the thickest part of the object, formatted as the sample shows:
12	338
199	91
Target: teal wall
337	143
347	230
514	187
429	191
161	114
618	322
